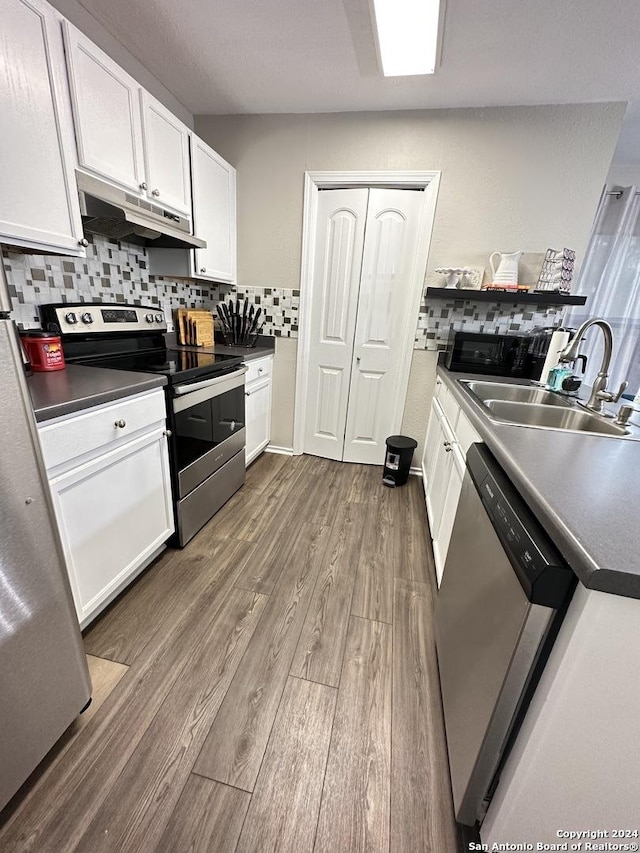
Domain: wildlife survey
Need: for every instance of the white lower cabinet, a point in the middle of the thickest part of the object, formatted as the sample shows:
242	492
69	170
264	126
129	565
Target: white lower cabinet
258	406
443	467
113	503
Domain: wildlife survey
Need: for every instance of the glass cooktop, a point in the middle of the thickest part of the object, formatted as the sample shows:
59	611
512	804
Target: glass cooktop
175	364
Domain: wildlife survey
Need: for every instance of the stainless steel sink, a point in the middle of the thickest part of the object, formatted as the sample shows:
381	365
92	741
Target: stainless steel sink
554	417
485	391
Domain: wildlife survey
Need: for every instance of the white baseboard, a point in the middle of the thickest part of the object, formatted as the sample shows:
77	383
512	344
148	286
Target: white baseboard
288	451
283	451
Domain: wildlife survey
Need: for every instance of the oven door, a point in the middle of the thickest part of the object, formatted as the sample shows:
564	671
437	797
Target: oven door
208	427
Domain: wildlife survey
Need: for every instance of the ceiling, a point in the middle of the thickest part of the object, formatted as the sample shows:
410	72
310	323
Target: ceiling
282	56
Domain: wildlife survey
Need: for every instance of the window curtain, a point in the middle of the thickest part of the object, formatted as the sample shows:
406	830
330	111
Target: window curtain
610	279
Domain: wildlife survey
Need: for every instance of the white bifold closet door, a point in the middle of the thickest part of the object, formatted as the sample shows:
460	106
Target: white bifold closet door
364	265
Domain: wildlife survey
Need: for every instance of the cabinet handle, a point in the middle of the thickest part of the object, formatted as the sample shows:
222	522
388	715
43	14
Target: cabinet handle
358	360
247	393
144	185
121	424
260	369
203	269
448	449
438	382
84	242
167	432
155	193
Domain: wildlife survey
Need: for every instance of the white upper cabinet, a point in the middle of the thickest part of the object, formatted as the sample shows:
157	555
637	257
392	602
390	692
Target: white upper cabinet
106	111
123	135
166	155
214	213
39	206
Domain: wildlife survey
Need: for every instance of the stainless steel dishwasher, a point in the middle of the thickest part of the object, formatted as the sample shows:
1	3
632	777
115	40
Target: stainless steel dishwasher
504	591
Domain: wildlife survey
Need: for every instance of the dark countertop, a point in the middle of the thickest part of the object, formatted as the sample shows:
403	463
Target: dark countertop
247	353
266	346
584	489
62	392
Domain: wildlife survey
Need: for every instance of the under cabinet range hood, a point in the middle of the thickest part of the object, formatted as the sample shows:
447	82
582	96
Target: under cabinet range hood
124	216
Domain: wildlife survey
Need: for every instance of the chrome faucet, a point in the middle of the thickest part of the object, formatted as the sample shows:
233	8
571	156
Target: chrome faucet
599	393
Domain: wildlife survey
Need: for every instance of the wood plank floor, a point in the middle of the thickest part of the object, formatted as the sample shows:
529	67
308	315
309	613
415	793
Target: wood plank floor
272	687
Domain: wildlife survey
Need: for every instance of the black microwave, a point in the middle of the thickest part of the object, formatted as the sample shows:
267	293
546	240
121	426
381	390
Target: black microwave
493	354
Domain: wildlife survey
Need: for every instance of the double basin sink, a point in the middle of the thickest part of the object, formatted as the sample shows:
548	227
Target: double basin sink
527	406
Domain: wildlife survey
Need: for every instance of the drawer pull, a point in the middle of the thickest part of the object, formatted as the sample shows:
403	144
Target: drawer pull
121	424
247	393
167	432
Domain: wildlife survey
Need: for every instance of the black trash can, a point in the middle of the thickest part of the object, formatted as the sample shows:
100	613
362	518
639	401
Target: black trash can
398	460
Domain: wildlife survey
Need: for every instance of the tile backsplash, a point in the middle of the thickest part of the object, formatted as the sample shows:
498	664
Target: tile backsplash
439	317
115	271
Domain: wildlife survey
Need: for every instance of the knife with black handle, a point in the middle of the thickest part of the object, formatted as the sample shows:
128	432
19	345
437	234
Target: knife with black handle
223	322
254	325
243	335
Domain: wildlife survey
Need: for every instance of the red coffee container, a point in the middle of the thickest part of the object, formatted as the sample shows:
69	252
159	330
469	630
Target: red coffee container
44	350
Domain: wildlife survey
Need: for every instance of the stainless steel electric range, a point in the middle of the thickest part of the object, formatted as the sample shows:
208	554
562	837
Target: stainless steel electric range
205	398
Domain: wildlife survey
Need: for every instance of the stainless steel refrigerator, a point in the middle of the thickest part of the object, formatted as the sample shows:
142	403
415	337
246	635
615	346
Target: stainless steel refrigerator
44	680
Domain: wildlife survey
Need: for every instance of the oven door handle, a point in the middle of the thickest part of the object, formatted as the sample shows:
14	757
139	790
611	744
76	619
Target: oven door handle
198	392
209	383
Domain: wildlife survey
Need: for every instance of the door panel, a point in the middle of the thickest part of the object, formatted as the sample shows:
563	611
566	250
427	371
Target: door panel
337	266
384	319
166	150
330	386
214	213
366	408
39	202
107	113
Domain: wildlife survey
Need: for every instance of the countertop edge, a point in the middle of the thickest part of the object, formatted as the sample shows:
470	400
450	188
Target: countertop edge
588	571
130	386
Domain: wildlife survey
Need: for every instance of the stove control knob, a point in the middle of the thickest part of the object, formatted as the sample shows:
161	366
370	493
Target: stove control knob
87	318
71	318
148	318
159	318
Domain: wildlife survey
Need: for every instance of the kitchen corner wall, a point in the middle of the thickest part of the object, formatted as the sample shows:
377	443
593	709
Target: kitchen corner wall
513	178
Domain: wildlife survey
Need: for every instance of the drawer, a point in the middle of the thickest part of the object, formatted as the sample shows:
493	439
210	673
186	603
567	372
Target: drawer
258	368
94	430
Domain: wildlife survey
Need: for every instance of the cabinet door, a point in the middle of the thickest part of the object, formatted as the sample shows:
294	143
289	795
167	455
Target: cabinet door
106	110
455	475
39	206
213	186
113	514
431	444
442	462
166	156
258	418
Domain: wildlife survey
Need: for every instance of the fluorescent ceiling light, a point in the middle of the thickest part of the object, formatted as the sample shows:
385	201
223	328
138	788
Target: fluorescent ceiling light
407	36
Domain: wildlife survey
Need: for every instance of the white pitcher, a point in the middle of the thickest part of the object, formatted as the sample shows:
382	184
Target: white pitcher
507	271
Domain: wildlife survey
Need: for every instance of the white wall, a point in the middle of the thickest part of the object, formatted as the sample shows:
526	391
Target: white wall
512	178
93	29
624	175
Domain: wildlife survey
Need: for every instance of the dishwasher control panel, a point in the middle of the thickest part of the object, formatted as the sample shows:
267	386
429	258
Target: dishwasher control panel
543	573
